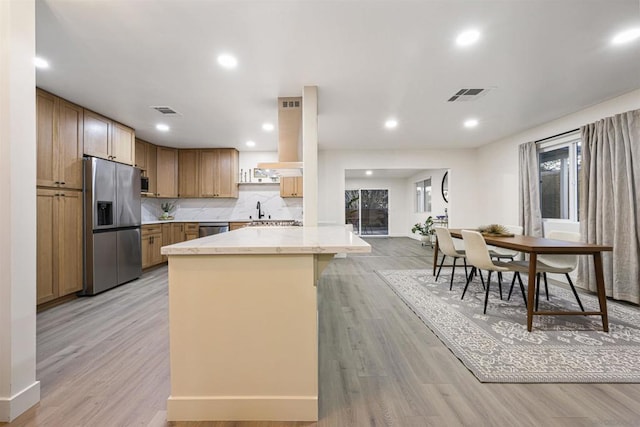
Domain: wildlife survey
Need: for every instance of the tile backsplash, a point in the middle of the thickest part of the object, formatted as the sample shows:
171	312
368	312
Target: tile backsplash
230	209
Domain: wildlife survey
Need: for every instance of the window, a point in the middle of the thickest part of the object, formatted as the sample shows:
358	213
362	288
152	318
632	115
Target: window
559	166
423	196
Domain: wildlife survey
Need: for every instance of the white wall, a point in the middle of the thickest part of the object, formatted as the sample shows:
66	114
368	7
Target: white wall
438	205
497	184
462	180
398	212
19	389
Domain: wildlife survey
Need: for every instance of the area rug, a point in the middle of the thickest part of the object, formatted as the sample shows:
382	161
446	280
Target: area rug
497	347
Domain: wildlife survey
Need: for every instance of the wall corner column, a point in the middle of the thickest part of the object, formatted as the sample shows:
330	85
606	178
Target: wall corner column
19	389
310	155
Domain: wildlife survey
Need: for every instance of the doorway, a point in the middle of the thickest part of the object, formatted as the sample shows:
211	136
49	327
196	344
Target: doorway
367	211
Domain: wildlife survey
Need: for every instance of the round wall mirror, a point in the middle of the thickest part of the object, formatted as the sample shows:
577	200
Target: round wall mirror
445	187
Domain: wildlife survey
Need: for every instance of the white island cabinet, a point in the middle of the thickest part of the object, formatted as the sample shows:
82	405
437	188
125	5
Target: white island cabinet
243	322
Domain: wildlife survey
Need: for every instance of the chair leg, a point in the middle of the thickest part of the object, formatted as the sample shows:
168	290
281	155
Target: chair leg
524	297
537	290
481	279
573	288
513	282
467	284
465	267
486	295
546	286
440	268
453	271
500	283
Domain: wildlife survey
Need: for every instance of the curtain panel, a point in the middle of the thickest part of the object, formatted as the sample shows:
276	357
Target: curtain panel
609	198
529	194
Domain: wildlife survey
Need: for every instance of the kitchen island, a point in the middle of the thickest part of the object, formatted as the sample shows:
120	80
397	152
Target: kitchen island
243	322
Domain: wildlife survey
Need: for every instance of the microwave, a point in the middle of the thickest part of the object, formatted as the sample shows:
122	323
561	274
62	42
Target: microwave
144	184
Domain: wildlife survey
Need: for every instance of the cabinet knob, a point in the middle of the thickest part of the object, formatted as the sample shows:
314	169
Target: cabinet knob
63	183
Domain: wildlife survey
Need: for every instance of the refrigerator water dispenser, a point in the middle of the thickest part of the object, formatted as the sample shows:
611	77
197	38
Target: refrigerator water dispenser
105	213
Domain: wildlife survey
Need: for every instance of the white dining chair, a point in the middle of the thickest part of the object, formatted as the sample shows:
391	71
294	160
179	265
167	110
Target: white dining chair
557	264
504	253
448	248
478	256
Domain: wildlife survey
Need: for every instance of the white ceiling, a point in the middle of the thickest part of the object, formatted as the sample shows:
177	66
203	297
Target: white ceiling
369	59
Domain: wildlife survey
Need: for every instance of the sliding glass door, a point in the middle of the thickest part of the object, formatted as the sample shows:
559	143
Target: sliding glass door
367	211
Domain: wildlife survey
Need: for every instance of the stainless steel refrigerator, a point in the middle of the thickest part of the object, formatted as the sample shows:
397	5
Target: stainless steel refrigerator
112	249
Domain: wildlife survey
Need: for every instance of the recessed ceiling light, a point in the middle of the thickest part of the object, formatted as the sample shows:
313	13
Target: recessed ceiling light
369	172
467	38
267	127
227	61
626	36
162	127
40	63
250	144
391	124
471	123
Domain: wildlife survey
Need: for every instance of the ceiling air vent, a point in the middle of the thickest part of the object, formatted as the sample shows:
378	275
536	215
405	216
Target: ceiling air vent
468	94
166	110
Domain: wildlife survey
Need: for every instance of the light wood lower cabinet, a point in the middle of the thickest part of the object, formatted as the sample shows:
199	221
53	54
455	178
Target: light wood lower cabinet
237	225
166	237
151	245
59	243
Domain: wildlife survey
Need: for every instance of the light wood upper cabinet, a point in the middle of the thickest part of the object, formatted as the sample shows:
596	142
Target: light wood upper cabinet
188	165
152	168
167	172
141	154
291	186
107	139
59	243
123	144
219	173
97	135
59	142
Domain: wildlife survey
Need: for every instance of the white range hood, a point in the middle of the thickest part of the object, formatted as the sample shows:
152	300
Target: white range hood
289	138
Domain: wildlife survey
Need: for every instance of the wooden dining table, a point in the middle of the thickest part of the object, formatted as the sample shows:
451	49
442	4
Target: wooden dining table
535	246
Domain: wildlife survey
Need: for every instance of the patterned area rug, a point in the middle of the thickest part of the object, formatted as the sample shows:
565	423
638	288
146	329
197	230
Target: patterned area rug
496	347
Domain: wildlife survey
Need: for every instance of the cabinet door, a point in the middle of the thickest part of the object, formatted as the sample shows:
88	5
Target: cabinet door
122	144
141	155
299	186
166	238
152	167
70	242
47	241
177	232
47	165
287	186
145	243
188	173
97	135
70	125
227	175
155	248
208	170
167	173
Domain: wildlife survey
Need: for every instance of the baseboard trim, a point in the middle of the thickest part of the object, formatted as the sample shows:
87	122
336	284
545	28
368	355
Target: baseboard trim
19	403
242	408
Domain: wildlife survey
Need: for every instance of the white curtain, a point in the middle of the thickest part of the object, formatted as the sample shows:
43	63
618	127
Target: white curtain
529	194
609	198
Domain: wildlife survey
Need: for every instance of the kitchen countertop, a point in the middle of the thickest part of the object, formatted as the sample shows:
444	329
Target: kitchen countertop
274	240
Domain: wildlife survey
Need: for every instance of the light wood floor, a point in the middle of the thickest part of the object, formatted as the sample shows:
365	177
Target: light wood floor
103	361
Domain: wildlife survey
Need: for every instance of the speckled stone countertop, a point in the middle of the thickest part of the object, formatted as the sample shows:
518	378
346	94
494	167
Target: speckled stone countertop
274	240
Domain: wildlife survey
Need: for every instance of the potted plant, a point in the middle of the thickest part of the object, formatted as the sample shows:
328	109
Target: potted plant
167	207
425	230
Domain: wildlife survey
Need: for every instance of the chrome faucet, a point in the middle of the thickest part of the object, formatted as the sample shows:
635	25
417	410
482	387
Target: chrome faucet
260	213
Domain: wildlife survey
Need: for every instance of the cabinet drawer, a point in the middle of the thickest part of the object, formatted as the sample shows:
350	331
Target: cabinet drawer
151	229
191	227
